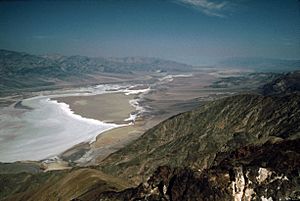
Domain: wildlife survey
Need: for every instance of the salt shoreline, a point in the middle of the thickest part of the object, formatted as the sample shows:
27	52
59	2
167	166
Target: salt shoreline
91	91
62	112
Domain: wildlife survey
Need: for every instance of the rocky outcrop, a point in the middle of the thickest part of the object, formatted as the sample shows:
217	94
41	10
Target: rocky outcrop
266	172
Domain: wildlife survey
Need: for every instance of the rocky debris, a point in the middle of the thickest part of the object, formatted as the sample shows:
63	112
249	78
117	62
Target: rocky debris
266	172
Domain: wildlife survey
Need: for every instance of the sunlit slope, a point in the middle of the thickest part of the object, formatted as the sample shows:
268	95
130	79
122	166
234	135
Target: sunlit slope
193	139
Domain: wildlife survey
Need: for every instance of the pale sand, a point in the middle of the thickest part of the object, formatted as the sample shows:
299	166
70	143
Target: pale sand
164	103
113	140
112	107
109	141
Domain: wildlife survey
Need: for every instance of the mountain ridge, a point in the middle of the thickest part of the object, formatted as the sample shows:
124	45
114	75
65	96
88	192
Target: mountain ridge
260	172
193	138
20	70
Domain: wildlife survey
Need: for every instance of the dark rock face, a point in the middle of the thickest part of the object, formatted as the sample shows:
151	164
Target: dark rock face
285	84
269	171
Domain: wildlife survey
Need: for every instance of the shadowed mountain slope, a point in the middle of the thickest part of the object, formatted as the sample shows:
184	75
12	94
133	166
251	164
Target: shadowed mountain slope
57	185
263	172
285	84
193	139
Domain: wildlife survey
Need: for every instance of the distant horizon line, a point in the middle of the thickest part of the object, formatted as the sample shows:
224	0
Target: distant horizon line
218	61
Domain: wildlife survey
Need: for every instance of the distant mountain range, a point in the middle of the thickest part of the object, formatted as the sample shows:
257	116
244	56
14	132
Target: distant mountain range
20	70
19	63
261	64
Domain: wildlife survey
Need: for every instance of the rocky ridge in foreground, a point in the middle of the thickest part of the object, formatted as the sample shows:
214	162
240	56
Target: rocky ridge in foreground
193	139
266	172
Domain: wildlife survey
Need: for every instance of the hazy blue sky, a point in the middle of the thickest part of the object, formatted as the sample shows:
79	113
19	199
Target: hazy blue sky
192	31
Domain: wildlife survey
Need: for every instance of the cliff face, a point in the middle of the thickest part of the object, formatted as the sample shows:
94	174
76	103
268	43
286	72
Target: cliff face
269	171
193	139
